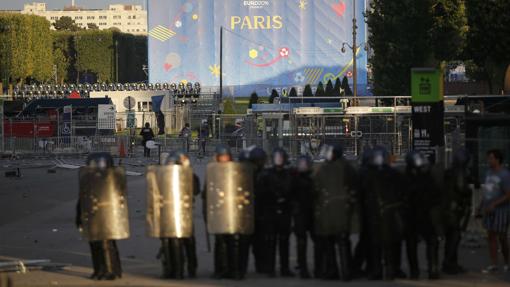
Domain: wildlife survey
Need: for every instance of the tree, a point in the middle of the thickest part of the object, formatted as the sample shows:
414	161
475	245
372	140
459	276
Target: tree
92	26
308	93
274	95
488	41
346	88
254	99
66	23
293	93
329	89
25	48
336	89
42	49
427	34
320	90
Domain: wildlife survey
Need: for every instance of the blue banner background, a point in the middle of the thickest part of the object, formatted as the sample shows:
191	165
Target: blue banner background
302	45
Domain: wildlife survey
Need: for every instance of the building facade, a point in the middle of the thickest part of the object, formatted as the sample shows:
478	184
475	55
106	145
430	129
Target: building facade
127	18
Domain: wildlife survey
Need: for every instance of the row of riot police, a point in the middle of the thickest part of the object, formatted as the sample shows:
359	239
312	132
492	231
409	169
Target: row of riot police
248	206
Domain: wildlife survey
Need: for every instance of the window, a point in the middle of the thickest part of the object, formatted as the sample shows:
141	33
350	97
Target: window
134	17
78	17
139	106
117	17
129	17
144	106
102	17
91	17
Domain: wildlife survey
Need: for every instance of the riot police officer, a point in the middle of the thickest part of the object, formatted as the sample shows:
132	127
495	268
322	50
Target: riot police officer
190	243
335	196
229	214
170	212
457	204
302	212
382	214
258	157
422	213
275	201
102	213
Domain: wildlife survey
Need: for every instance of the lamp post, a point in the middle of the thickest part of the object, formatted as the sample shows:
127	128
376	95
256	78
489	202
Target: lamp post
354	49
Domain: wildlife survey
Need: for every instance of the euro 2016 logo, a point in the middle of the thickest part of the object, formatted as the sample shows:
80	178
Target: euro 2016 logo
255	4
256	22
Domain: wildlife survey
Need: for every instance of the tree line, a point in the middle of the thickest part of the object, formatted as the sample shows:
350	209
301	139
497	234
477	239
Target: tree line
437	33
32	53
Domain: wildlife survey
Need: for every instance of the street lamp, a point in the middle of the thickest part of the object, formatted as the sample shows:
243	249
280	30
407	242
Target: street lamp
354	49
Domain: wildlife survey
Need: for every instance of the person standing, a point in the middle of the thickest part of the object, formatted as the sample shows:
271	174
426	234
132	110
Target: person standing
228	212
495	209
382	208
457	208
102	213
302	211
334	198
422	214
275	199
147	135
185	134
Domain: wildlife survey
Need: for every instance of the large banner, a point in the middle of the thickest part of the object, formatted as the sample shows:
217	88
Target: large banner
266	44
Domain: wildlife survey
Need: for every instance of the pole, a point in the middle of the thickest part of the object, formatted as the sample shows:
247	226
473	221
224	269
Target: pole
116	61
354	50
221	63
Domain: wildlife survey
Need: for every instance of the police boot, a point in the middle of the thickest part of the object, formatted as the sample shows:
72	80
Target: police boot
109	273
270	255
399	273
258	241
164	255
344	250
412	257
389	268
301	252
117	267
95	252
433	258
375	262
331	267
360	256
284	255
235	258
318	257
450	263
245	253
191	256
220	257
177	258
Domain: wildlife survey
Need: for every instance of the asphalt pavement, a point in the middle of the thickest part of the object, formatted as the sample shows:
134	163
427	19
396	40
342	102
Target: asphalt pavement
37	222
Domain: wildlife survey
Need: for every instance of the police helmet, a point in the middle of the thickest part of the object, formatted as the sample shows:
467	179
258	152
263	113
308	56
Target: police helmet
304	163
415	159
101	160
172	159
334	152
379	157
280	157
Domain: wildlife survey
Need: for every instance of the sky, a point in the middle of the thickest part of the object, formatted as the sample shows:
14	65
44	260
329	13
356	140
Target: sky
58	4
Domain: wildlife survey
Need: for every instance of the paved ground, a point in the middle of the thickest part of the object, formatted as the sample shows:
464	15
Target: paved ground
36	222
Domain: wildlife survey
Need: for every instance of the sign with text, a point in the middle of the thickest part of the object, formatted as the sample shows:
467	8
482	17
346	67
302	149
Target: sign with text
427	110
106	117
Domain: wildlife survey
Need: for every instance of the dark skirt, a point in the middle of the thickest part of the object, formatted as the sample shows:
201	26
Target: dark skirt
498	220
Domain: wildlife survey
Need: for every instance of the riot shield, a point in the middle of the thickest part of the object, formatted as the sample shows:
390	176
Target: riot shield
103	203
332	209
169	201
230	198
